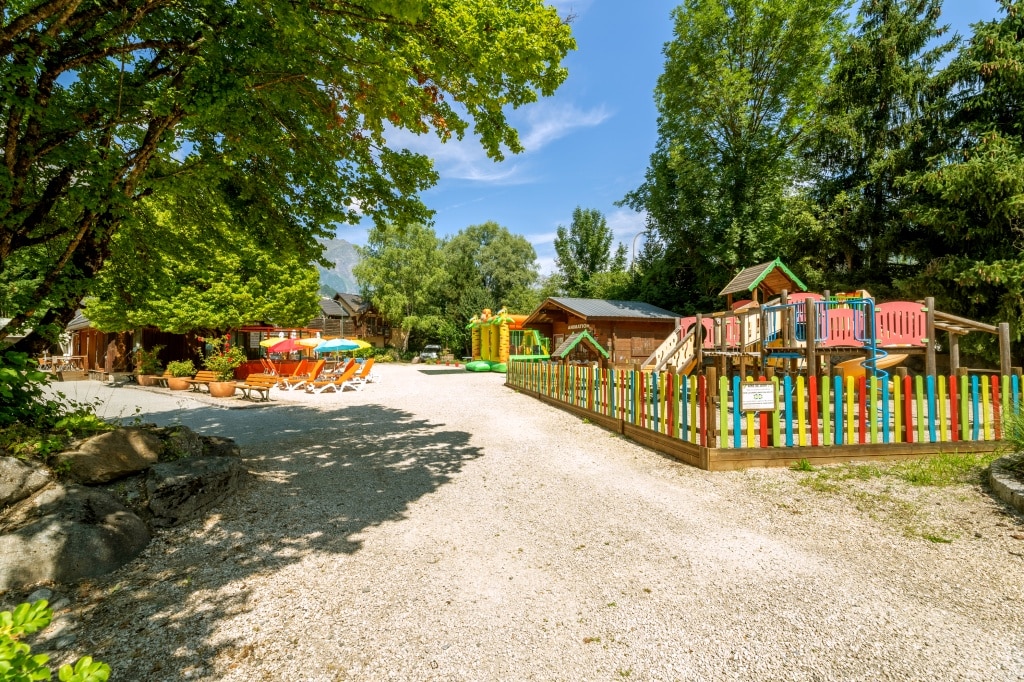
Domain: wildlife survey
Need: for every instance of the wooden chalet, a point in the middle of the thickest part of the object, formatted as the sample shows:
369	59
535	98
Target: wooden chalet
629	330
362	321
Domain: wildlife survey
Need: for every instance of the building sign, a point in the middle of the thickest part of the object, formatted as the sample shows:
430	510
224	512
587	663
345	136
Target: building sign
254	339
579	327
758	396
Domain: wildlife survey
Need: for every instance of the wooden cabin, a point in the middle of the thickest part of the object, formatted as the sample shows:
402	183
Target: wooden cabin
362	321
629	330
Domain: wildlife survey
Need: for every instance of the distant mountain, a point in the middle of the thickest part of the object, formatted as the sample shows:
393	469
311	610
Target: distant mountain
338	279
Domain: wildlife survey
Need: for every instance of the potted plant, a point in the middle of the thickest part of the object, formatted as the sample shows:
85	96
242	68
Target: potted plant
223	358
148	366
181	371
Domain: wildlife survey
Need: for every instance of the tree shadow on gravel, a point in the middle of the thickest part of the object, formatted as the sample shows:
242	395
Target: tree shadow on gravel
319	479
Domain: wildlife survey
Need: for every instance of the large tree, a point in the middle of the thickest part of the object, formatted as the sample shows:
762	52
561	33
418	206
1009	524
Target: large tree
873	128
741	80
971	198
105	103
486	264
400	266
584	255
181	270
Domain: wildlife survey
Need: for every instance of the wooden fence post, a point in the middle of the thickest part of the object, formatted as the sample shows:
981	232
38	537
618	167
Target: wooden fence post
929	355
1004	349
810	336
711	390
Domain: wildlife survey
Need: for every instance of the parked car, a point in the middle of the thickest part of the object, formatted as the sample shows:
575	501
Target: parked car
430	352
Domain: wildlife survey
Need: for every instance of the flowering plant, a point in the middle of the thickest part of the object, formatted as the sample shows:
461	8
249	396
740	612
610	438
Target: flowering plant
148	361
223	358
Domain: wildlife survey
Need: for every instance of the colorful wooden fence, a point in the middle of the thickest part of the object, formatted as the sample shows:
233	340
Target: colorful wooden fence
812	412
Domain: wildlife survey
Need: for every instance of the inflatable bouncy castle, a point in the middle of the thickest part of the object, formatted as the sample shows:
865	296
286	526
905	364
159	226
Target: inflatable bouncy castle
498	337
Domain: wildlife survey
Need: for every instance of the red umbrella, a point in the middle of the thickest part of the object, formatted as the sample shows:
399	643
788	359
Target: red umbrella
287	346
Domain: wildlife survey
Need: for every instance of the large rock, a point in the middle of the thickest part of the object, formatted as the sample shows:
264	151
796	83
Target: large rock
112	455
65	534
179	491
219	446
18	480
180	442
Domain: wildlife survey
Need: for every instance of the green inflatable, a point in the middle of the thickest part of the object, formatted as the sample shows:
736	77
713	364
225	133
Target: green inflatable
478	366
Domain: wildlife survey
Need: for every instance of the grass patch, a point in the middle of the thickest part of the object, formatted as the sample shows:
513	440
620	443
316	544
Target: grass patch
803	465
944	470
882	490
939	471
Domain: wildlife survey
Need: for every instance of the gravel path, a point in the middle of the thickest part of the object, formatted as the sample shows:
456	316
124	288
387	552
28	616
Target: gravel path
439	526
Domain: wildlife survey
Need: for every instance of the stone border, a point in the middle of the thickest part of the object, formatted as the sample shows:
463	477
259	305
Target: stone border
1005	485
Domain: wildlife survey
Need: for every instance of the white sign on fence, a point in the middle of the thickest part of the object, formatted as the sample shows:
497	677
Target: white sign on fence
758	396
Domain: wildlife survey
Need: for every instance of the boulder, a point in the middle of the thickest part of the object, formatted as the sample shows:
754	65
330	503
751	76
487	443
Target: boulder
180	442
219	446
112	455
18	480
180	491
65	534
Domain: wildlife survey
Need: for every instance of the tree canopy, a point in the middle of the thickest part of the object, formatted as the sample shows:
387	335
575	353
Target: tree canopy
971	196
181	270
400	267
741	82
288	104
488	267
584	256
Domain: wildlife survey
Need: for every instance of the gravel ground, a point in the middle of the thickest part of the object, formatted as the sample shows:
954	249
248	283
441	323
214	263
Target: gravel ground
439	526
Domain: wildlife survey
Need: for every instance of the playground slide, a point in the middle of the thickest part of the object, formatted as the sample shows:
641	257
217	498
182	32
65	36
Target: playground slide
855	368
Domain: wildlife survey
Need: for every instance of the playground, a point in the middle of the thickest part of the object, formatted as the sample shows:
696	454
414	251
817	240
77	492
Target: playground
785	374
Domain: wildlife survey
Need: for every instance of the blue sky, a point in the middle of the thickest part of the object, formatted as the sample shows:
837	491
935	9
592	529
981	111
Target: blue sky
588	145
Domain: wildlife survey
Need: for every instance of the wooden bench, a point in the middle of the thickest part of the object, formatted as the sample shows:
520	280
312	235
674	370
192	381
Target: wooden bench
257	386
203	378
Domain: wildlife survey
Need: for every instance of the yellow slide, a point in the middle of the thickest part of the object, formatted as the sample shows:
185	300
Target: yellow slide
854	368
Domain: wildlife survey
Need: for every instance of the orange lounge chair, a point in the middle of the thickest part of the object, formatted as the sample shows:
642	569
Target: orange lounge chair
299	371
336	384
292	383
365	375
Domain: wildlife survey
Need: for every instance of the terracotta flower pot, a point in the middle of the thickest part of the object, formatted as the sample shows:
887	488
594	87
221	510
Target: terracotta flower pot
222	389
179	383
147	379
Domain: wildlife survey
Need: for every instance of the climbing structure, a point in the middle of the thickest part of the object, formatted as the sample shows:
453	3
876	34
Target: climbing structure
847	334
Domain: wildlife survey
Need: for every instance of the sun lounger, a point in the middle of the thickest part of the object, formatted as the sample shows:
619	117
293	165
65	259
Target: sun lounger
300	371
338	384
365	374
292	383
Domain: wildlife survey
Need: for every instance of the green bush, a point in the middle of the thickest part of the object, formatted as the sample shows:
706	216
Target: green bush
18	664
1013	430
181	368
21	389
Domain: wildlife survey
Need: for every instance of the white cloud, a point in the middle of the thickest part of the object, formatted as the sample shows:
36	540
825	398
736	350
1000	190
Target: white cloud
547	265
547	122
626	223
540	124
458	159
543	238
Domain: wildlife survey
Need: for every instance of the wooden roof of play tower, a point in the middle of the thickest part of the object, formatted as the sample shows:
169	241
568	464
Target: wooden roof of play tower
762	282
